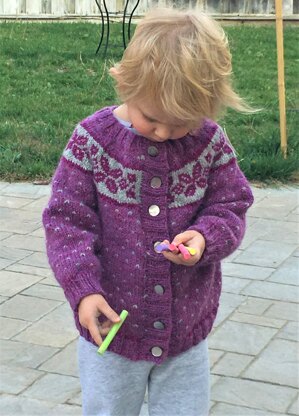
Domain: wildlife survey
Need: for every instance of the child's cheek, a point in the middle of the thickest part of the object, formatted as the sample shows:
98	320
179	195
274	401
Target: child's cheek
142	129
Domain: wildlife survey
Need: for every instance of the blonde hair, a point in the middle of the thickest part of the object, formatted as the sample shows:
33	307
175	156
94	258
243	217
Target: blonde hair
181	62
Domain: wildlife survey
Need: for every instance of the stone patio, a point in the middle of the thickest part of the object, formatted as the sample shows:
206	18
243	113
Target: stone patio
253	347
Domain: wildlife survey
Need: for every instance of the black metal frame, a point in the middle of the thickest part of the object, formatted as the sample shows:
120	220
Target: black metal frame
98	2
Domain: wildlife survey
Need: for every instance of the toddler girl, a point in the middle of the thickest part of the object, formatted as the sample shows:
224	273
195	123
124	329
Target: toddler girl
157	168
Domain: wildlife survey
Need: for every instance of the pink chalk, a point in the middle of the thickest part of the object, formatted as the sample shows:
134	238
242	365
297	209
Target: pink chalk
172	247
184	252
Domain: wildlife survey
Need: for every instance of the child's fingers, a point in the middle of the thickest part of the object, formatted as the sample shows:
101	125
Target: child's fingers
105	309
105	327
179	259
183	237
93	328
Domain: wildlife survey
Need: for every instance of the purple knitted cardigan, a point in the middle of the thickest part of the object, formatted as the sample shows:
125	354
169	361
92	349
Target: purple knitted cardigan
106	212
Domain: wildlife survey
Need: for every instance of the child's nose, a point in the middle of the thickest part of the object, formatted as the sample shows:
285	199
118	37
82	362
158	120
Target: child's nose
163	132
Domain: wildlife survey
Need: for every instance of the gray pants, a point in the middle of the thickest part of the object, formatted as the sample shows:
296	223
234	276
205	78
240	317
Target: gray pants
115	386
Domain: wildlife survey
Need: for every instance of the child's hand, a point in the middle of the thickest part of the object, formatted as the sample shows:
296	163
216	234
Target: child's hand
90	308
189	238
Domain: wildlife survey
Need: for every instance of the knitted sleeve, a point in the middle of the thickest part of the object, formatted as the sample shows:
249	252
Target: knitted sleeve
221	219
72	229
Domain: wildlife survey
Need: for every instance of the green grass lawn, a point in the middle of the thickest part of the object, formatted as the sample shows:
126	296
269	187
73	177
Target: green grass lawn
51	79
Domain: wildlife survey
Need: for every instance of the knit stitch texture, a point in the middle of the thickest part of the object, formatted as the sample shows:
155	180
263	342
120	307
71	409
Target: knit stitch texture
100	232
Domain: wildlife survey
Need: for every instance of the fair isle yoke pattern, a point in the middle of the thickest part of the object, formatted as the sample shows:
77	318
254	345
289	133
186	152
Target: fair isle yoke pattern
123	185
101	239
111	178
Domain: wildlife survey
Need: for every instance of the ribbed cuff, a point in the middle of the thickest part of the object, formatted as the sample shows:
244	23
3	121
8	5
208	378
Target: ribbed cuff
83	285
217	245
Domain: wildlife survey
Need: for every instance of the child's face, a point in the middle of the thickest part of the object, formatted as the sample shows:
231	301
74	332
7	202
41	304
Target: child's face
151	123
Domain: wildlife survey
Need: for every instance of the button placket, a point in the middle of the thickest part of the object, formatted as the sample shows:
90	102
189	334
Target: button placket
154	210
156	351
156	182
153	151
154	215
159	325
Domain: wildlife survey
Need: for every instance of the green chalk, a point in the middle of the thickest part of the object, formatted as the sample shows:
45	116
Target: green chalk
113	331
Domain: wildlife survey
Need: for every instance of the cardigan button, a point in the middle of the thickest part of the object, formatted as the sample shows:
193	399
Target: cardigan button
159	325
154	210
159	289
156	182
156	351
152	151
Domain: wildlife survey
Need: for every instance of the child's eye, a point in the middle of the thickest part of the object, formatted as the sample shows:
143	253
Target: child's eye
151	120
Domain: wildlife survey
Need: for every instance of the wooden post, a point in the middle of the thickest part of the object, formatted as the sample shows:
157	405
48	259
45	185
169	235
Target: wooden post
281	86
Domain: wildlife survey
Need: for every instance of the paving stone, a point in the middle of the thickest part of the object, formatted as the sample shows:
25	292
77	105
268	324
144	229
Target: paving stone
232	256
255	306
3	185
257	320
30	242
281	206
233	284
28	308
45	292
294	408
275	291
223	409
241	338
4	235
32	270
13	202
250	222
38	205
287	233
144	410
256	395
290	331
40	232
293	218
259	192
223	313
53	387
228	303
232	364
5	263
232	299
56	329
264	212
15	379
283	310
77	399
266	253
16	221
36	259
66	409
64	362
214	379
287	273
245	271
214	356
273	230
12	283
25	190
19	405
11	253
278	363
22	354
50	281
10	327
296	253
3	299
